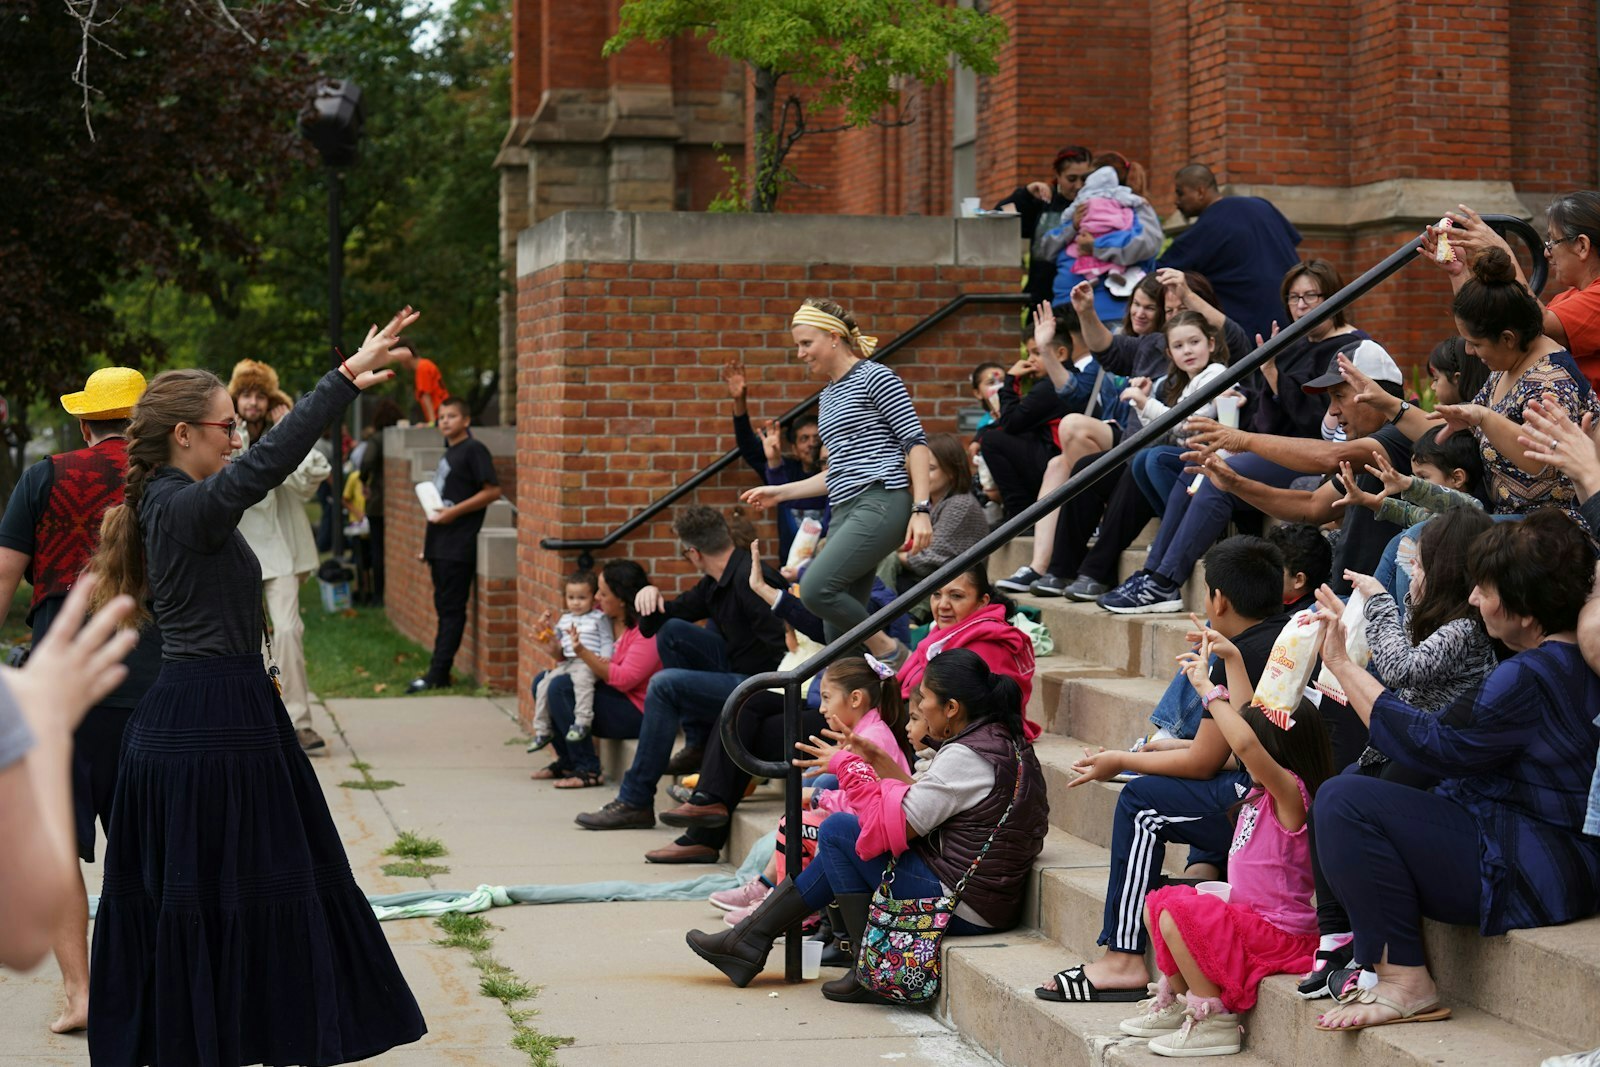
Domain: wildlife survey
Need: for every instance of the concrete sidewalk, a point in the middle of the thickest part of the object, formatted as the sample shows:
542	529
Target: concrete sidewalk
617	978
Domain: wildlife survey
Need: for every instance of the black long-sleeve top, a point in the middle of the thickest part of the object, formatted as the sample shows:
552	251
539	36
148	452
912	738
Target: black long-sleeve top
754	635
1032	412
205	583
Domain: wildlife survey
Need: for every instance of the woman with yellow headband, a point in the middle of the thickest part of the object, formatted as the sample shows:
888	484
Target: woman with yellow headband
877	473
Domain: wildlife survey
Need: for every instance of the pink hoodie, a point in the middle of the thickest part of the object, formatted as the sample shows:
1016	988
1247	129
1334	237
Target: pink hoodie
1006	649
872	727
878	803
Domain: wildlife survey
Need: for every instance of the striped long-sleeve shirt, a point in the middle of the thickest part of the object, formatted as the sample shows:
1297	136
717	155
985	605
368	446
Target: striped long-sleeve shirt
868	424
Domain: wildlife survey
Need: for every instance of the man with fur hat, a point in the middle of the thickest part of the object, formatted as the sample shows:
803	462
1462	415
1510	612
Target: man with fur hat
279	533
49	533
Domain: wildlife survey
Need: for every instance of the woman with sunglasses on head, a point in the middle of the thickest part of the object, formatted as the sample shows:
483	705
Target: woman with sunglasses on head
230	930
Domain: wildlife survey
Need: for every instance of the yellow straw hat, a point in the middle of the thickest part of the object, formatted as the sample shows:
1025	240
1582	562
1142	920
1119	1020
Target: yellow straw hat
110	393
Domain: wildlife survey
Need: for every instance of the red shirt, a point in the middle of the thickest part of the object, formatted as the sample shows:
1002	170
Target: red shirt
1579	312
430	383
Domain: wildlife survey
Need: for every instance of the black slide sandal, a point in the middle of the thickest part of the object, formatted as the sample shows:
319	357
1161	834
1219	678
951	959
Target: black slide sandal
1074	987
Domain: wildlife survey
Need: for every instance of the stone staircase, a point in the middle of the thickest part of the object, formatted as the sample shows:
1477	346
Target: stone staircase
1516	999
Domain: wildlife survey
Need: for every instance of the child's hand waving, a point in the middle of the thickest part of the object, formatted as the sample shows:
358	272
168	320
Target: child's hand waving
1354	495
1394	483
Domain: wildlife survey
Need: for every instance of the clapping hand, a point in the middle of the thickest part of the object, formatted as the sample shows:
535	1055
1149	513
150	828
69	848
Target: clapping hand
1330	612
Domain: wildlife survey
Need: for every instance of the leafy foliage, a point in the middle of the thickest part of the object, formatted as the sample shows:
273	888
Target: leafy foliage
855	53
193	230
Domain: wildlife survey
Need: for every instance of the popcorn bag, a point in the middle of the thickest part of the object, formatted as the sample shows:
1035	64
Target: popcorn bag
805	541
1288	669
1355	646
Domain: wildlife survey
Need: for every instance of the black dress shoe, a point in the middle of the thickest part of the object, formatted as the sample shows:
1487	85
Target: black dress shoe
422	685
685	761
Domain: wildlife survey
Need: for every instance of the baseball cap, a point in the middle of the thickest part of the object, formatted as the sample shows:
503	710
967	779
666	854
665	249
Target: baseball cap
1370	359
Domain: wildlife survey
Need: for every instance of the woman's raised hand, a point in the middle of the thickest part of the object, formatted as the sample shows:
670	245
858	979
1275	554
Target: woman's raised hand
1082	296
1330	611
1550	436
1365	584
377	351
1458	417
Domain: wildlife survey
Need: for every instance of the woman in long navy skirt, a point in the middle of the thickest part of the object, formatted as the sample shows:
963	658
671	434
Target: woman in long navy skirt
230	930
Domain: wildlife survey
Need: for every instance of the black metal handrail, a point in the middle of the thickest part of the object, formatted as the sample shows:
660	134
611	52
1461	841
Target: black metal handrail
792	680
712	469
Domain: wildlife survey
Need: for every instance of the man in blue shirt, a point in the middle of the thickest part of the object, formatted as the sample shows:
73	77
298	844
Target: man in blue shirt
1242	244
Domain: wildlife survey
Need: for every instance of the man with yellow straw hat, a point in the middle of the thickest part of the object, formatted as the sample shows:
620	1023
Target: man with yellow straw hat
48	534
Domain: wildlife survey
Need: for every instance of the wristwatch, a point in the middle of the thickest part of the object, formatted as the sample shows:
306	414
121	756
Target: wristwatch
1217	692
1405	406
922	507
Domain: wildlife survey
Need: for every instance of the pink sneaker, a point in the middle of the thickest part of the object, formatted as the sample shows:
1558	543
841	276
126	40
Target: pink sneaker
746	896
739	915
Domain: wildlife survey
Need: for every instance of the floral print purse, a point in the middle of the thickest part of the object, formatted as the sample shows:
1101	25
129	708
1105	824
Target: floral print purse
899	957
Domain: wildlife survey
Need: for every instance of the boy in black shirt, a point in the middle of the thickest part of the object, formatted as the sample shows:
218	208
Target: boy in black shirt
467	484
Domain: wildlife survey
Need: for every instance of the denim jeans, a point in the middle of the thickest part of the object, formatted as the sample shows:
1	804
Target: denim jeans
614	716
1192	524
837	869
1155	470
688	696
1179	710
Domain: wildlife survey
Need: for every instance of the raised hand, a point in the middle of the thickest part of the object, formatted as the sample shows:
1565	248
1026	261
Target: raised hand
1083	298
1354	495
772	443
1175	282
377	351
1330	611
1394	483
758	581
1458	418
1044	325
733	374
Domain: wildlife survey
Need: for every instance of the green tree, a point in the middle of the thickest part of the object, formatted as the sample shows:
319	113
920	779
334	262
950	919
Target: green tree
854	52
419	213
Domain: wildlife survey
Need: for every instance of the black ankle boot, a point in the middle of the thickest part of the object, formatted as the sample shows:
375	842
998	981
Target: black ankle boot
741	951
836	949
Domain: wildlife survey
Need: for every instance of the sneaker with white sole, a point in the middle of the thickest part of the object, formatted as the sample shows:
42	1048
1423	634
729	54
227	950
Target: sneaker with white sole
748	895
1153	1021
1143	594
1020	582
1574	1059
1049	585
1323	965
1083	588
1197	1035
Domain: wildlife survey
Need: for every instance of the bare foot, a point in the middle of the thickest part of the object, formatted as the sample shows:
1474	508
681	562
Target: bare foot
1113	971
1411	993
75	1016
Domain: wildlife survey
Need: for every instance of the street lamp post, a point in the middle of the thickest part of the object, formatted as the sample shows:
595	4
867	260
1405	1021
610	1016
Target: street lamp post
332	122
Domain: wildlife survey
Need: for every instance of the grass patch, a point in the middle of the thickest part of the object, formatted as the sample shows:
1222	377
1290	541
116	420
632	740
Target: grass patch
507	988
416	847
414	869
499	982
470	932
357	653
359	765
369	783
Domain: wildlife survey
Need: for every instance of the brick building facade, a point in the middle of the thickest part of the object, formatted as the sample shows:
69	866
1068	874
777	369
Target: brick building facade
1361	119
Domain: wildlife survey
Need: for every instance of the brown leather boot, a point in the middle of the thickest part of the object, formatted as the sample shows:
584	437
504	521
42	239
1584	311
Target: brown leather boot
741	951
852	908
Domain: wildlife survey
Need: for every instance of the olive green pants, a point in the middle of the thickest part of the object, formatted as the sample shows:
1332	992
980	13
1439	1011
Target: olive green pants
862	531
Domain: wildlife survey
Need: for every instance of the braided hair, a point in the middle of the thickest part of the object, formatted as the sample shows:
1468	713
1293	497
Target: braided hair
172	397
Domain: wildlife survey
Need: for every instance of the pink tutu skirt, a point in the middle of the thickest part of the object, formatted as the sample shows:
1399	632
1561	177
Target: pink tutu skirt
1234	947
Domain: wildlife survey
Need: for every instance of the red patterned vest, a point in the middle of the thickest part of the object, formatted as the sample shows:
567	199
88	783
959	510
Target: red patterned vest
86	484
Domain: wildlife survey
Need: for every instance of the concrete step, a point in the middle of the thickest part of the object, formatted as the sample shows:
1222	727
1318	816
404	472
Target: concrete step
1101	708
989	998
1129	645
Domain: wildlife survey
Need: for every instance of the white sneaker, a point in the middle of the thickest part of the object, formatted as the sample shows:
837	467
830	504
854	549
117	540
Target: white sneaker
1574	1059
1153	1021
1214	1035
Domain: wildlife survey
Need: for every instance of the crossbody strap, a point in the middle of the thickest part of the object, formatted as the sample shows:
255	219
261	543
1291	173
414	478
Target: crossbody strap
984	851
1093	404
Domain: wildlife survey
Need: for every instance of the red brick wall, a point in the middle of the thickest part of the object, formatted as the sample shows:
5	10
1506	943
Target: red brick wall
488	650
620	394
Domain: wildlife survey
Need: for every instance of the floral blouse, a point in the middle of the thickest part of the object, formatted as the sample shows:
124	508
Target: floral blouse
1513	491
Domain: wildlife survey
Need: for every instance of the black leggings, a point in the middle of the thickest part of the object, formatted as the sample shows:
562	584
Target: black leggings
1017	462
760	727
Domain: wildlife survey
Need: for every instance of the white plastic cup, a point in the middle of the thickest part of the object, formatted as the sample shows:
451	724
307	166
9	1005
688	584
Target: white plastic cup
1228	411
1212	889
810	960
969	206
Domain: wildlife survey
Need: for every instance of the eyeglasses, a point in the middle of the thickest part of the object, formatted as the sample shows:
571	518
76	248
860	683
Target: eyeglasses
230	427
1304	299
1550	243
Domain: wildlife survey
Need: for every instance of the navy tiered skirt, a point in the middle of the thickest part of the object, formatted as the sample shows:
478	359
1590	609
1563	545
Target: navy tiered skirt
230	930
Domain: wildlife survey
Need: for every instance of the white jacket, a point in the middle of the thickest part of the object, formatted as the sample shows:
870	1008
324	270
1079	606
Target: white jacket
277	529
